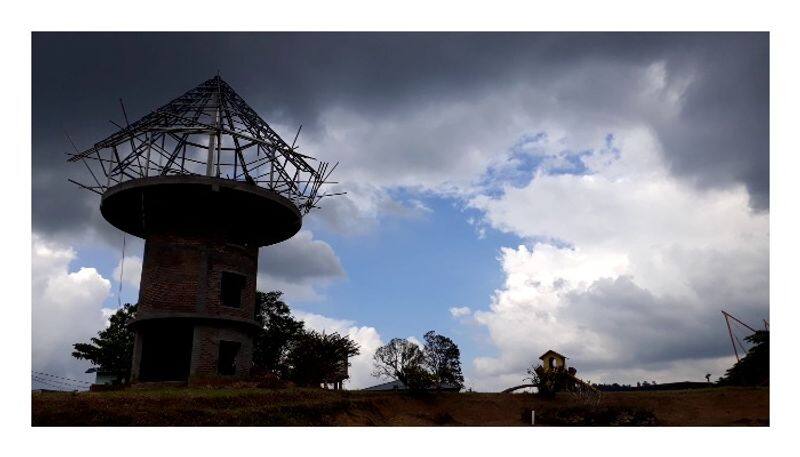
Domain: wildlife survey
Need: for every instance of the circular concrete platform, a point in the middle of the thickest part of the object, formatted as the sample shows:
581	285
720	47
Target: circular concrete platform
201	205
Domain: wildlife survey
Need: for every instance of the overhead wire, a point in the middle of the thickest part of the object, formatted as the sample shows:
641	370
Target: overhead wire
121	271
50	375
62	386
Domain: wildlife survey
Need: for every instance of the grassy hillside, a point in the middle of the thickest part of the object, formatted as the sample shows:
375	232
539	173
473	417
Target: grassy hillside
259	407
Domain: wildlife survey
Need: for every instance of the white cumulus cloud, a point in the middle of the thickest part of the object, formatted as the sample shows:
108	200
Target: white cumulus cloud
642	266
66	308
131	270
460	311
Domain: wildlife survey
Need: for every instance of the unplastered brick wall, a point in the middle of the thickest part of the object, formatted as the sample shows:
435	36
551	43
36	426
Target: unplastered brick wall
181	278
171	275
205	351
183	275
233	259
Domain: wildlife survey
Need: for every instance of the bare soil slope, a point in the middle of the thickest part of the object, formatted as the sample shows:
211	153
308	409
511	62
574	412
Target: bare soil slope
259	407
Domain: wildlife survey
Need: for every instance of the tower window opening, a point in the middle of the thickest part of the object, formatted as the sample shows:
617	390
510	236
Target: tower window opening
226	363
553	362
231	289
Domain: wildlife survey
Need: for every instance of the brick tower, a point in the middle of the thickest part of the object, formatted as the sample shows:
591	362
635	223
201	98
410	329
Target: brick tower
205	182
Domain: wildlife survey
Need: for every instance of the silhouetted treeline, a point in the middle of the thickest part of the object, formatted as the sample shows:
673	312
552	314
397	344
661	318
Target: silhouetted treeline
753	369
615	387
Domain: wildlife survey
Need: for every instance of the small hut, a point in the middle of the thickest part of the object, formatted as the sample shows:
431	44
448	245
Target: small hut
553	360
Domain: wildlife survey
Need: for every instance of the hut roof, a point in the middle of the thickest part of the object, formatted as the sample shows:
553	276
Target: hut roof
551	352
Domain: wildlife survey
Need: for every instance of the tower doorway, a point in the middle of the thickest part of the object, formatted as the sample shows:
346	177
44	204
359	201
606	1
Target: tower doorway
166	351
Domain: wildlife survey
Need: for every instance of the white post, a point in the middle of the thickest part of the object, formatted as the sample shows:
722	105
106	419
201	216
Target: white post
533	417
212	140
111	167
211	147
147	160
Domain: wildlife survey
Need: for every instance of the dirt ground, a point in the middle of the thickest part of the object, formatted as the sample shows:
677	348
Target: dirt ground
261	407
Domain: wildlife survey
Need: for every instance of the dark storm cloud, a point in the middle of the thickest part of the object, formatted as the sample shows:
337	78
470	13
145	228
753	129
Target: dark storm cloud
722	134
648	329
300	259
719	138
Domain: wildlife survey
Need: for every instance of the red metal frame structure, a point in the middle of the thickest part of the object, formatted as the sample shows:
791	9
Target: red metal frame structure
728	317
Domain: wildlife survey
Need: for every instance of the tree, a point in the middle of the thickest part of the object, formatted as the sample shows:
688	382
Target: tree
418	378
314	358
753	368
399	359
112	348
278	330
549	382
442	358
435	365
284	347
